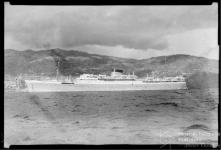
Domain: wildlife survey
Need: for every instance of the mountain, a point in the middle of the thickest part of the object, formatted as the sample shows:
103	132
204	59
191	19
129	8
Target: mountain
75	62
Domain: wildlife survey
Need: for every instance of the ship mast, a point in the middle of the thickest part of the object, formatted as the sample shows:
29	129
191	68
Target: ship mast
57	69
165	59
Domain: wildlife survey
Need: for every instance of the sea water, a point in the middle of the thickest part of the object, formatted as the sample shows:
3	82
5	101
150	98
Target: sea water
122	117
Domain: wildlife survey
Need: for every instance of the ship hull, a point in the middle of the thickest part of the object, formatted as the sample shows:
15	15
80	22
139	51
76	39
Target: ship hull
40	86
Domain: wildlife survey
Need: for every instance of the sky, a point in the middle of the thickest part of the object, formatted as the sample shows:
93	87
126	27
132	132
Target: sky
137	32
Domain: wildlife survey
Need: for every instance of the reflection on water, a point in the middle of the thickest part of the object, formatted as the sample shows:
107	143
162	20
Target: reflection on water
127	117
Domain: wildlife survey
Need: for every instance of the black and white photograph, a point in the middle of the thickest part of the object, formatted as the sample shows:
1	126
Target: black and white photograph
111	74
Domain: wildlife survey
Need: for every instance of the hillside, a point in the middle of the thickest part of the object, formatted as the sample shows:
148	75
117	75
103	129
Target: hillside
75	63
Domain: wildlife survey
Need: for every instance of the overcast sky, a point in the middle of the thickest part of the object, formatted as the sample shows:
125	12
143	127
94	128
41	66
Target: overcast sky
123	31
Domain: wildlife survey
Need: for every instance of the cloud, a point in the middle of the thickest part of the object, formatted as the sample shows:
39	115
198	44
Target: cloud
199	42
139	28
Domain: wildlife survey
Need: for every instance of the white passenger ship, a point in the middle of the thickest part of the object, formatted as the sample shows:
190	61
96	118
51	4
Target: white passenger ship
117	81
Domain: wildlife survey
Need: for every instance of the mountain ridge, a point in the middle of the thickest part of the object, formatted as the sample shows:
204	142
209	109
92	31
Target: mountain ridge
73	62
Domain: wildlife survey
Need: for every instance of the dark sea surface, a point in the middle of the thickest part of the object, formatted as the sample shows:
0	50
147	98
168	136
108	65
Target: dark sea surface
127	117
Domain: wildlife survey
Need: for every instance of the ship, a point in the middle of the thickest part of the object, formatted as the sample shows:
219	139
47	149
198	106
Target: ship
116	81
